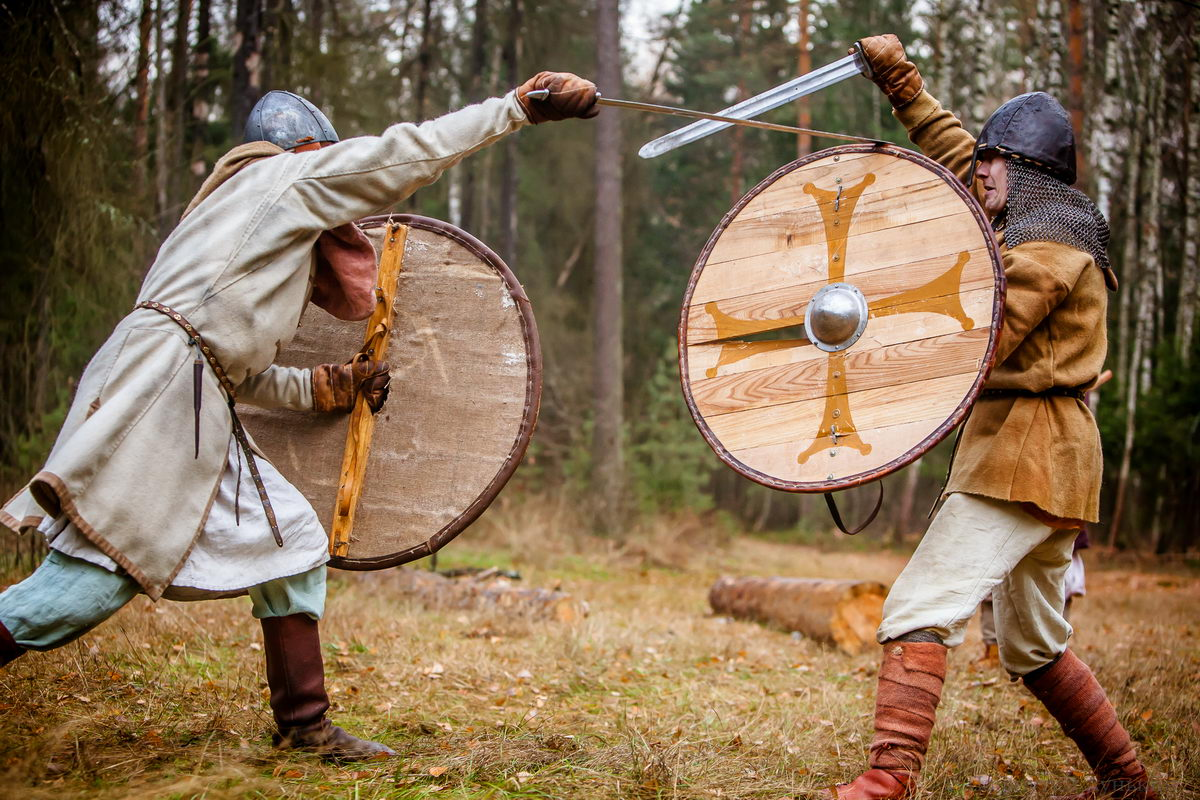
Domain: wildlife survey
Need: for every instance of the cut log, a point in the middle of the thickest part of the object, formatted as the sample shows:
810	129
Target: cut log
484	591
844	613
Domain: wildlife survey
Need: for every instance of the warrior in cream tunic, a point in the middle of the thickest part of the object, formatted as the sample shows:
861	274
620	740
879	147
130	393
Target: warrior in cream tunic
152	485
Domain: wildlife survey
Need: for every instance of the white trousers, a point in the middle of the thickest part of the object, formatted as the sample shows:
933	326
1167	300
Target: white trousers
974	546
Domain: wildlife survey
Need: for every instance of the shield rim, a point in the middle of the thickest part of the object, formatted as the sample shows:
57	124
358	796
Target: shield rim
943	429
533	396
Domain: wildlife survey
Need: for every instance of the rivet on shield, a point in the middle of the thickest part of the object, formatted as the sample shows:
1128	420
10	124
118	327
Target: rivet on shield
836	317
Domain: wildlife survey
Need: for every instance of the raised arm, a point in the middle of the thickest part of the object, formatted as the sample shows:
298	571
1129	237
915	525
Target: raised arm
937	132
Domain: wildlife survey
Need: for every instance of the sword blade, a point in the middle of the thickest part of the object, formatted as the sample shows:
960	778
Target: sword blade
820	78
720	120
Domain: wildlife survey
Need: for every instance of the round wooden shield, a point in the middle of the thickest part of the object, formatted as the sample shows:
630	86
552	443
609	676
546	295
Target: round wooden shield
841	319
466	385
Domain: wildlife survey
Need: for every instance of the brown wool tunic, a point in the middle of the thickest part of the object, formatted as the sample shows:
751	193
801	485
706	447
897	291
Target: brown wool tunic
1043	452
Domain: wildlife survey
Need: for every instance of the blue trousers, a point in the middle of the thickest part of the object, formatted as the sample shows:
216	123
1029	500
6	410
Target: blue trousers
66	597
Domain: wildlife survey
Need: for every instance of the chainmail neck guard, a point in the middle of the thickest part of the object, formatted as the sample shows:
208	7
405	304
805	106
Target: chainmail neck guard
1041	208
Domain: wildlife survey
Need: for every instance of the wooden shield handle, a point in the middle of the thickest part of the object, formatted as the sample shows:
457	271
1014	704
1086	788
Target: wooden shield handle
362	421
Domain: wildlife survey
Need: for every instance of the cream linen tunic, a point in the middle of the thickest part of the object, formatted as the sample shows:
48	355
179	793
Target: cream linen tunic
123	469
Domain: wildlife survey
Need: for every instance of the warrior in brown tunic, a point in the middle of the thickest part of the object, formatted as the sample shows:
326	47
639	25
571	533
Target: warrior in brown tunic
1026	474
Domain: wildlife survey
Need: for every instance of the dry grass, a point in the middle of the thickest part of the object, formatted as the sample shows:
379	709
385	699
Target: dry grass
649	697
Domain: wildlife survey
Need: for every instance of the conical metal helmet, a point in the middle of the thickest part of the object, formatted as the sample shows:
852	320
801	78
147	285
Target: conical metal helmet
287	120
1035	128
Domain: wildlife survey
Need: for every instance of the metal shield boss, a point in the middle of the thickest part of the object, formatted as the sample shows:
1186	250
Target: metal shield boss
841	319
466	386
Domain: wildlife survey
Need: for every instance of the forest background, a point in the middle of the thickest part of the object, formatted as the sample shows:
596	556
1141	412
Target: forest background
112	113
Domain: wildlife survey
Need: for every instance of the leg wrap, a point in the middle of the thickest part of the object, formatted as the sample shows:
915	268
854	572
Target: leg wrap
910	688
1072	695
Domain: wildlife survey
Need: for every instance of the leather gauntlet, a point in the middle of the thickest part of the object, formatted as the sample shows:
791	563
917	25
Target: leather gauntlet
335	387
570	96
896	76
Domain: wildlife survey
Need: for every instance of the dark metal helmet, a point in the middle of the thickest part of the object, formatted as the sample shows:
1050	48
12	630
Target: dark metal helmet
287	120
1034	128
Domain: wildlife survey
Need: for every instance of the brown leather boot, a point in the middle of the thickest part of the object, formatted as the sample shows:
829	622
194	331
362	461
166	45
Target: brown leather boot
1073	696
9	649
296	676
910	687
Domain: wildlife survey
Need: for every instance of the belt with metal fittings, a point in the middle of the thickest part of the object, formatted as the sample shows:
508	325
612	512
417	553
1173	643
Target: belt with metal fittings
203	351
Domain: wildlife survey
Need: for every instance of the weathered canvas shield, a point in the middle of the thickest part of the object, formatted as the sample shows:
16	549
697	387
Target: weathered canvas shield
466	385
841	319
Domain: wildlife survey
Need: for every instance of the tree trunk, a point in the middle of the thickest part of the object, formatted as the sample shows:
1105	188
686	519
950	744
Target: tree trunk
141	117
1076	71
908	501
1106	143
1189	270
804	141
177	95
508	168
202	94
476	64
1141	300
608	471
844	613
247	61
424	58
162	174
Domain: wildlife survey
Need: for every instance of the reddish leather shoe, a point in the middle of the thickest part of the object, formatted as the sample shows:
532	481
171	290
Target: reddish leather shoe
875	784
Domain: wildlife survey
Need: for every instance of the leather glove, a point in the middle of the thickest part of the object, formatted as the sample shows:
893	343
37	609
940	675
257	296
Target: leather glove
335	387
570	96
892	72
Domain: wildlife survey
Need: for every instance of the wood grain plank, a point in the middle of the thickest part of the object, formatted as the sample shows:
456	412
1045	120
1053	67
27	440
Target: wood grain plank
787	192
781	308
799	422
887	444
780	268
804	224
710	360
893	366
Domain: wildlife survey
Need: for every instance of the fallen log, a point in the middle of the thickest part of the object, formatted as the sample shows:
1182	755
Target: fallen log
488	590
844	613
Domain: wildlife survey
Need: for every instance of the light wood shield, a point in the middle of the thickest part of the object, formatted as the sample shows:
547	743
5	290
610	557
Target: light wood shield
906	233
466	387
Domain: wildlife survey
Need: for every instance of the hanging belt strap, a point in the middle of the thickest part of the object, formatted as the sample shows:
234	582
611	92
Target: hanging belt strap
239	432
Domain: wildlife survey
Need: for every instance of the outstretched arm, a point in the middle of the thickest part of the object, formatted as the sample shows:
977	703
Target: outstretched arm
364	175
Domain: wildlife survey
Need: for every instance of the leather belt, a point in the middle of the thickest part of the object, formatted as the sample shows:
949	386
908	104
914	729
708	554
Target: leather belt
1053	391
239	432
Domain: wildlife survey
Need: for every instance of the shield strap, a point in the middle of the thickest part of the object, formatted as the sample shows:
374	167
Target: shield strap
837	516
239	432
